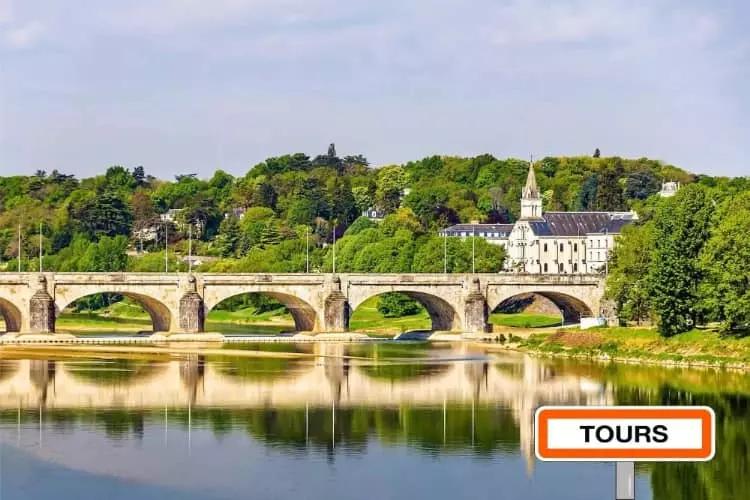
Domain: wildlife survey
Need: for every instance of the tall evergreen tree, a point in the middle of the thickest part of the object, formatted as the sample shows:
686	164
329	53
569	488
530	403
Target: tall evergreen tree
609	192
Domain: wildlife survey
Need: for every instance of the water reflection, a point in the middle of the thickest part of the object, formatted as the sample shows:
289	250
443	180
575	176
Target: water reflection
338	401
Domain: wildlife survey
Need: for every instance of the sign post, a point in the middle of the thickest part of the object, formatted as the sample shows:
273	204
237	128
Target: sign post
625	435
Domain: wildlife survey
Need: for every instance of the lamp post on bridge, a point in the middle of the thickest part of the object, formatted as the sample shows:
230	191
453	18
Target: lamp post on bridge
334	246
166	246
445	251
473	249
40	247
18	253
190	247
307	249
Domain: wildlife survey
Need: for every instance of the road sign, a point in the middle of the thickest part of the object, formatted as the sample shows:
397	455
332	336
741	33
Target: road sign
624	433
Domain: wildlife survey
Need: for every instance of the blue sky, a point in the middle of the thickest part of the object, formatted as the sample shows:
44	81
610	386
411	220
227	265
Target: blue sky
183	86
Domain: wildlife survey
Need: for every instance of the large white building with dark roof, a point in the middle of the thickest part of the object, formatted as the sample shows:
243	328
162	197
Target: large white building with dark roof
551	242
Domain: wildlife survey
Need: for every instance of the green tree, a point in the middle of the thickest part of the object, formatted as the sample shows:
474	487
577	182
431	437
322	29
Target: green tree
390	185
139	176
228	239
627	282
681	226
725	260
107	255
396	305
609	192
105	214
587	195
119	178
342	203
642	184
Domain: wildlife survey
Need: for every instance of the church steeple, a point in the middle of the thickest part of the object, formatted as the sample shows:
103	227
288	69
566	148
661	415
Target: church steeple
531	201
530	190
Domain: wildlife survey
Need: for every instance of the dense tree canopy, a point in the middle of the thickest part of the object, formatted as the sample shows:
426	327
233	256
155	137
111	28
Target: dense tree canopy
687	262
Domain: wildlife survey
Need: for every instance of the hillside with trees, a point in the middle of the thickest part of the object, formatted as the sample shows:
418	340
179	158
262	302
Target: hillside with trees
684	262
288	206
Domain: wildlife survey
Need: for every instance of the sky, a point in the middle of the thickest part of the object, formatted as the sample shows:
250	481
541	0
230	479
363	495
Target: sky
190	86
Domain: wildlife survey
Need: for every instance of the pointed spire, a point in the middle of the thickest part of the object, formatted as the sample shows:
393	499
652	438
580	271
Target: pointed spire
530	190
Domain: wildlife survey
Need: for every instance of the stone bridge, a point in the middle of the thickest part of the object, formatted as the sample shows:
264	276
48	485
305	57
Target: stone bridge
178	303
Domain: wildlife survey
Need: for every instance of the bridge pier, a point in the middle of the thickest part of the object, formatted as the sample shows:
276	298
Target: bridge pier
41	309
476	311
336	310
192	313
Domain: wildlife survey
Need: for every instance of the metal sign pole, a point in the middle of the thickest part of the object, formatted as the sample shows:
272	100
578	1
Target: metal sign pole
625	481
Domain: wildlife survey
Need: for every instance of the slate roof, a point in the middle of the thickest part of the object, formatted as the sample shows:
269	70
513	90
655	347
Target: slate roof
580	223
502	229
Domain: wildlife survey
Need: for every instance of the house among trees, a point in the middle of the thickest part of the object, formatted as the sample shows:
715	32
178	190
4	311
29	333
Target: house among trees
551	242
494	233
669	189
374	214
236	212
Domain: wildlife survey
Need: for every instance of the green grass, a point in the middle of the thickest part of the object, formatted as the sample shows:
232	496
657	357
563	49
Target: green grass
525	320
697	346
367	319
101	324
249	315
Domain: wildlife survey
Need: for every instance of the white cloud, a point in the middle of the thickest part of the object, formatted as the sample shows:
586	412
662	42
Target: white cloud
562	72
6	11
24	36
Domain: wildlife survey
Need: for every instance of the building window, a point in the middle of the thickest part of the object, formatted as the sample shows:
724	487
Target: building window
598	256
545	267
575	267
562	267
545	250
562	248
575	247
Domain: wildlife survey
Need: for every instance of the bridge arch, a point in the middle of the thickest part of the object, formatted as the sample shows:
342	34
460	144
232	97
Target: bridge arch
11	315
571	307
161	316
304	315
443	315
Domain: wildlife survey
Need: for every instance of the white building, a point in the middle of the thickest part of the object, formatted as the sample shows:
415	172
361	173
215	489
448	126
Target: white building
551	242
494	233
669	189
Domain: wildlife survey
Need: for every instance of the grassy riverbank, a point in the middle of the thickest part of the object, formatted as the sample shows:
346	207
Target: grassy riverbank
700	347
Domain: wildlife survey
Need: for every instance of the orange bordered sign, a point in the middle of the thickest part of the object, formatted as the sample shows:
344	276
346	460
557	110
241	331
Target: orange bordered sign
624	433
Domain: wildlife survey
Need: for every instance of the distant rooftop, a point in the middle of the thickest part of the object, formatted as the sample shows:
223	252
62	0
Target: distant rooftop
581	223
483	230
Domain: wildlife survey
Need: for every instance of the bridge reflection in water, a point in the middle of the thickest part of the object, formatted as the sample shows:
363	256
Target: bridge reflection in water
332	378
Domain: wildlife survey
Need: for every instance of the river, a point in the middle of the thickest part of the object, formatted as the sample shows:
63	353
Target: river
384	420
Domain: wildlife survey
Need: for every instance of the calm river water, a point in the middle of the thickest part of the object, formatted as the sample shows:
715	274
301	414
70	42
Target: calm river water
333	421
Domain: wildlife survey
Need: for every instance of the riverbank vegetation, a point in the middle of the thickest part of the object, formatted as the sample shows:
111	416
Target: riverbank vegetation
708	347
687	261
